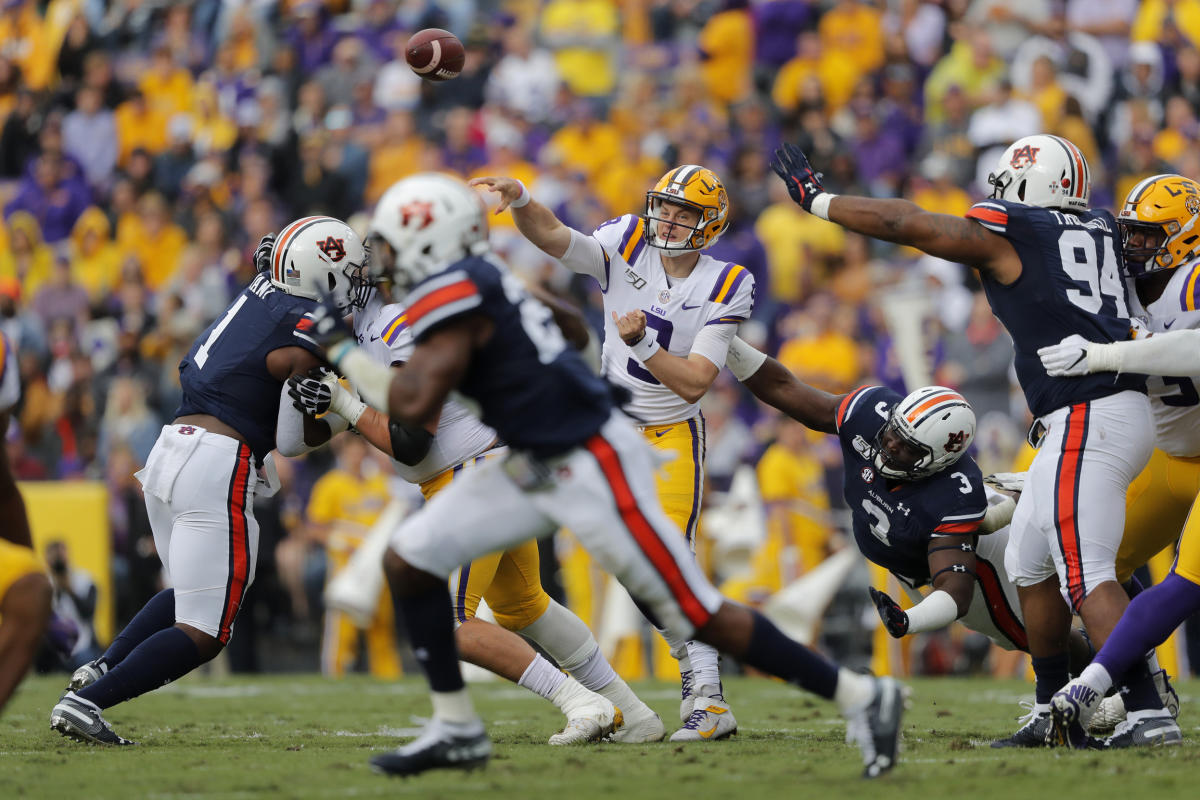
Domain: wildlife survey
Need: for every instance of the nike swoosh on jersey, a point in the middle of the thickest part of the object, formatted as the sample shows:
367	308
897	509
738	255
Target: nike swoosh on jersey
686	307
1167	325
374	338
660	434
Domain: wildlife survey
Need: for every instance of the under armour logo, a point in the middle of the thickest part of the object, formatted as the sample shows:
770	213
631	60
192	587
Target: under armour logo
334	248
1024	157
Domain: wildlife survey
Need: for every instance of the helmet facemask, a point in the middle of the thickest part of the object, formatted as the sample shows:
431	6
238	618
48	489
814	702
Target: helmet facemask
915	460
693	242
1150	252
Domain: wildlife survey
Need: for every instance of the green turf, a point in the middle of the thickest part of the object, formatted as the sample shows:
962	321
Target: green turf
306	737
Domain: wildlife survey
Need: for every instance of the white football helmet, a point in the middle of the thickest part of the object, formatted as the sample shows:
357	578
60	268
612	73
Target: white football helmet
422	225
318	256
934	426
1043	170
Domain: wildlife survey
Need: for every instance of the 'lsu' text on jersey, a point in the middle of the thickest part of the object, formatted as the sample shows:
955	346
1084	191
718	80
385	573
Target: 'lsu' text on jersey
225	373
893	521
536	392
716	293
383	331
1070	283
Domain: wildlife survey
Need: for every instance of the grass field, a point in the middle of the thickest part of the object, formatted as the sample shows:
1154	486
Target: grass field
285	736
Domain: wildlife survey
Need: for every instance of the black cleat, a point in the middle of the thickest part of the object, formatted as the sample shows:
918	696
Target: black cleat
1036	732
83	723
442	745
876	727
86	675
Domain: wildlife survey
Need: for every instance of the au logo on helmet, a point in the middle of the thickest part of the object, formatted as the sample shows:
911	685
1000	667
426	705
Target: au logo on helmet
418	211
1024	157
955	442
334	248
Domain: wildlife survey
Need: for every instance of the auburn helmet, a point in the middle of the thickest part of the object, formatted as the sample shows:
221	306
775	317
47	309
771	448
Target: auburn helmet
934	424
693	187
318	256
1045	171
1164	210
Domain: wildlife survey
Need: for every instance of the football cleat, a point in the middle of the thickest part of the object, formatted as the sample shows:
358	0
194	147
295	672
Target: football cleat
639	727
1071	710
1112	708
1145	732
589	723
82	722
687	695
1034	733
709	721
875	727
441	745
86	675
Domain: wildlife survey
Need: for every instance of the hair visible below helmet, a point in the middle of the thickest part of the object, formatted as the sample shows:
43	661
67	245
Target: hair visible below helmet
1164	208
1043	170
422	225
318	256
936	421
693	187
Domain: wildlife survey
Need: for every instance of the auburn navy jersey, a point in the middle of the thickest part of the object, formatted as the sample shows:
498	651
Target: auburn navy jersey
1070	284
225	373
893	521
530	386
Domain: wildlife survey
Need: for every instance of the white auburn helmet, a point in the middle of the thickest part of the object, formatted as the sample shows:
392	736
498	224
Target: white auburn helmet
422	225
935	421
1043	170
318	256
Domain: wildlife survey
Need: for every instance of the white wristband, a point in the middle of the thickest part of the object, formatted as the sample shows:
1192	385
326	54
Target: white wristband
820	205
523	199
346	404
936	611
743	359
1103	358
645	347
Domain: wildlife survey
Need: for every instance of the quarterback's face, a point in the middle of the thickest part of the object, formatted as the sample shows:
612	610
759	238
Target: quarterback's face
676	223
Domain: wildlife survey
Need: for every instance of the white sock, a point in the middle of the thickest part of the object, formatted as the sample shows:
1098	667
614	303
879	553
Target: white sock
706	675
541	678
83	700
1096	677
1041	708
570	697
678	645
454	707
853	691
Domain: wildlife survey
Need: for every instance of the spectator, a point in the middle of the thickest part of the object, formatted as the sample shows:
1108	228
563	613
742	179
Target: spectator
127	420
820	346
797	245
27	259
1107	20
315	187
1171	22
831	71
75	597
972	66
396	86
726	45
1002	120
583	35
978	360
525	79
95	259
90	136
62	297
139	127
154	240
1011	22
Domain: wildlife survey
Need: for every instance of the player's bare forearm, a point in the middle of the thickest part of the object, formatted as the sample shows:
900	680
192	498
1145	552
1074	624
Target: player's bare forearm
539	225
775	385
687	377
439	362
373	425
903	222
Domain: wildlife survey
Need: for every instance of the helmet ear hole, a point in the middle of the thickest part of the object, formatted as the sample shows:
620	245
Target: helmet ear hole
1021	191
330	280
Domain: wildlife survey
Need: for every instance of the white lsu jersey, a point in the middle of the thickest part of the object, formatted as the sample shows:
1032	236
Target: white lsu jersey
719	294
382	330
10	375
1175	400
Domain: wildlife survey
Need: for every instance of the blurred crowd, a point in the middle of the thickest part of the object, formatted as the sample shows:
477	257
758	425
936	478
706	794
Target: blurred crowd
146	146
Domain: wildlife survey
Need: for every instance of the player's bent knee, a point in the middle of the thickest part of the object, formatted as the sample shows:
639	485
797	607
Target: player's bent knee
27	604
515	616
406	580
209	646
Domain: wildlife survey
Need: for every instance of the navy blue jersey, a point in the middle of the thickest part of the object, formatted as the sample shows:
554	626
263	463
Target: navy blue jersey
535	391
1070	283
225	373
893	521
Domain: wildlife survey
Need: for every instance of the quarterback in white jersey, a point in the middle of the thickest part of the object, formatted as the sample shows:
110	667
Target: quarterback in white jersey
509	580
670	313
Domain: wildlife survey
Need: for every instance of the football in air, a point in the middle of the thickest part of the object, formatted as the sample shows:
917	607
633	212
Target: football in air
435	54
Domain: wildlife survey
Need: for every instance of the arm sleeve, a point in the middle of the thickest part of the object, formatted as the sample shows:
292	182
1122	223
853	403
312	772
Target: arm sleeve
1175	353
936	611
712	342
743	359
289	427
587	256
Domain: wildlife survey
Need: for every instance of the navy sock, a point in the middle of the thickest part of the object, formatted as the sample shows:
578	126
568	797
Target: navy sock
158	614
1139	691
429	618
775	654
162	658
1147	623
1133	587
1050	675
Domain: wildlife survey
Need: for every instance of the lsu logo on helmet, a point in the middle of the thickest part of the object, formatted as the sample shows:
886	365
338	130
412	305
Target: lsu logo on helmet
1158	224
696	188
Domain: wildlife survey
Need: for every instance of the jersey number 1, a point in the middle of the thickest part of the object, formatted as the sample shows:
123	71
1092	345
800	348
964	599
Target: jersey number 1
202	353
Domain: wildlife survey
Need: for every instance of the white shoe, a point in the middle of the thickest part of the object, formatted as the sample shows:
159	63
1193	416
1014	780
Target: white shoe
687	697
590	716
710	720
639	727
1071	710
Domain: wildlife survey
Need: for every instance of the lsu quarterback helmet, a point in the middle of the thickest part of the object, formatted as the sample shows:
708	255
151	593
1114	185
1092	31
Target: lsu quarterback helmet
925	432
692	187
318	256
1163	209
1043	170
422	225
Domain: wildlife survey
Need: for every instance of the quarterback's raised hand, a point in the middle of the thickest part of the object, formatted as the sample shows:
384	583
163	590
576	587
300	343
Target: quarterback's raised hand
803	182
509	189
262	253
1068	358
894	617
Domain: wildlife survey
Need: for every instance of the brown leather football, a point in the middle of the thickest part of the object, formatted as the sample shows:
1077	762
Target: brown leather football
435	54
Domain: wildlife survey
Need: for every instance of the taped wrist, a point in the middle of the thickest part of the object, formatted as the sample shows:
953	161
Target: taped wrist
820	205
743	359
346	404
936	611
1103	358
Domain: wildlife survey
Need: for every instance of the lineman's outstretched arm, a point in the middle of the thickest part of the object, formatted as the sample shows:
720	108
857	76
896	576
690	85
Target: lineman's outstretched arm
775	385
1172	353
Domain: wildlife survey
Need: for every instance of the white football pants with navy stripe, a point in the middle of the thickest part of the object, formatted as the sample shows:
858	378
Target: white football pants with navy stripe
604	492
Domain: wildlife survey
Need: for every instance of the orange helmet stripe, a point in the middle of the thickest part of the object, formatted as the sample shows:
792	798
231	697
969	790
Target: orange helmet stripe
949	397
281	246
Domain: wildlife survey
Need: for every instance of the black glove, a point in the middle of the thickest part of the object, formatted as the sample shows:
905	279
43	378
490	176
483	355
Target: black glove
262	253
895	619
803	183
329	326
310	394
